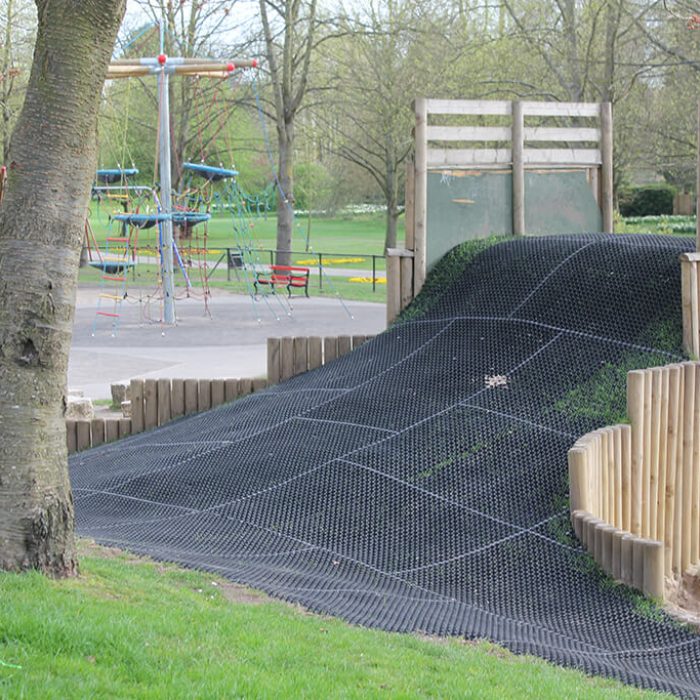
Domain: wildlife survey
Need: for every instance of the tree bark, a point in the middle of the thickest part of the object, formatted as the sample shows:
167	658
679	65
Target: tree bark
53	154
285	203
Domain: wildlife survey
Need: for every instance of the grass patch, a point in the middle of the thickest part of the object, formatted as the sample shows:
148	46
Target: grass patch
132	628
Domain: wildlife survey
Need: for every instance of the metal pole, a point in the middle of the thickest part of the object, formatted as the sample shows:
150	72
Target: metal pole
166	201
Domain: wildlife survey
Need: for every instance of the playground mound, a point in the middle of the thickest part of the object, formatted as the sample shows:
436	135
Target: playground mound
420	483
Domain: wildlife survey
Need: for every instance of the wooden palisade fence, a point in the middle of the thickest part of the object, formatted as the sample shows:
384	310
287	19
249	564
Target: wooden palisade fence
287	357
155	402
635	489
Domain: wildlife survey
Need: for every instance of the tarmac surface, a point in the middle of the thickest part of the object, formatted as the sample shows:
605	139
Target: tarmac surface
229	341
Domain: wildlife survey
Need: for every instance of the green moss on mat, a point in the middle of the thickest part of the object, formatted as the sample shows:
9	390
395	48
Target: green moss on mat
445	274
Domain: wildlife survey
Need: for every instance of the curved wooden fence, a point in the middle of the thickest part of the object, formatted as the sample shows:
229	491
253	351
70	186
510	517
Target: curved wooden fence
635	489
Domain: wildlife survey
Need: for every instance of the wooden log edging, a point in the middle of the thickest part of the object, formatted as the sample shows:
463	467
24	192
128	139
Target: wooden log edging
155	402
635	489
287	357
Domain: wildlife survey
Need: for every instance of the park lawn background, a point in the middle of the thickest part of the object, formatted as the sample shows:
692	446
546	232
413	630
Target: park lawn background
358	236
129	627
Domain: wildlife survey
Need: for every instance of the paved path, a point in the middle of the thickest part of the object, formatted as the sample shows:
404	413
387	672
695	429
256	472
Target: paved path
230	343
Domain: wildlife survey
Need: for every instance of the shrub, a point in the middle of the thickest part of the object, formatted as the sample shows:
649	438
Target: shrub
647	200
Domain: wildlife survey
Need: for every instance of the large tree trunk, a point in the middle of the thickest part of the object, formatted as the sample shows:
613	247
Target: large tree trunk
285	204
53	154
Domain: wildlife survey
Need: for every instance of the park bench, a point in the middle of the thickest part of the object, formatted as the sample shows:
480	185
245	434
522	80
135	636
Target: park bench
286	276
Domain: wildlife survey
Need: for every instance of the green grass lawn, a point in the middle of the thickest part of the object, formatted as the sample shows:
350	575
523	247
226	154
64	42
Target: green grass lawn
129	628
350	235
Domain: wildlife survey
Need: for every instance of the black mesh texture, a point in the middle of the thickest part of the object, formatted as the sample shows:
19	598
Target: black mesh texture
420	483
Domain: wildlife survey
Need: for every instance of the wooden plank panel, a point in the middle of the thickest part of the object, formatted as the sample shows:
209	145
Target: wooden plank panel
562	156
545	133
469	107
177	398
420	200
561	109
358	340
164	392
469	133
150	404
456	157
137	408
695	483
245	386
218	392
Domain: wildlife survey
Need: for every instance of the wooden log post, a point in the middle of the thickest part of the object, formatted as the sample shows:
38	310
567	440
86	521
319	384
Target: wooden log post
218	392
695	482
663	457
635	412
111	429
420	200
123	427
330	349
286	358
344	345
301	356
406	273
617	554
626	559
606	151
231	391
393	287
177	398
191	396
518	150
137	389
97	431
150	404
626	477
82	435
578	479
164	409
273	360
686	490
204	395
675	402
638	552
653	585
654	461
646	461
690	303
315	352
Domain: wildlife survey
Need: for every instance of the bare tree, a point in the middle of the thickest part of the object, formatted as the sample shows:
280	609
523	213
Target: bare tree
41	227
290	36
16	31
